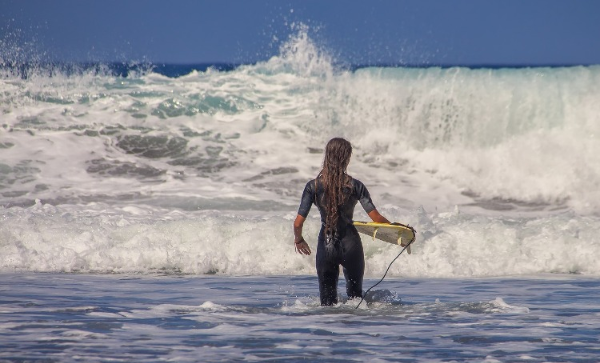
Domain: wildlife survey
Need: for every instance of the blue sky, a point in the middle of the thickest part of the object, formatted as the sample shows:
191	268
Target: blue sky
414	32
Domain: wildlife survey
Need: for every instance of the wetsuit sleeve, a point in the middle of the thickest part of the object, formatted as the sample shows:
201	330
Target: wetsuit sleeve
363	196
307	200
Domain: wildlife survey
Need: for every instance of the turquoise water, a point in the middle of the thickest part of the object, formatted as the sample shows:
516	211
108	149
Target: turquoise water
149	218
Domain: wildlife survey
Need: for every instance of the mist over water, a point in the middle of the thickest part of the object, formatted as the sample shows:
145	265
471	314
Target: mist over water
497	169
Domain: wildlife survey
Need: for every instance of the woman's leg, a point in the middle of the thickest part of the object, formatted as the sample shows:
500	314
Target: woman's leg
353	261
328	271
328	280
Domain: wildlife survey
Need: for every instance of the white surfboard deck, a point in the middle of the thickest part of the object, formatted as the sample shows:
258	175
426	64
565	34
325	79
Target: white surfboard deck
397	234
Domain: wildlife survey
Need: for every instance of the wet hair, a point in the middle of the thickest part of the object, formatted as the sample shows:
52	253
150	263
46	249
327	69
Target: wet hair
334	179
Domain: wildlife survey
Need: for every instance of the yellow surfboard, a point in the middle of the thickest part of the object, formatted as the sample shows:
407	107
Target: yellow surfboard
397	234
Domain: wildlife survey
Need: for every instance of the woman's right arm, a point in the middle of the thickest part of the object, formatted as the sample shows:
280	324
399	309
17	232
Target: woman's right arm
377	218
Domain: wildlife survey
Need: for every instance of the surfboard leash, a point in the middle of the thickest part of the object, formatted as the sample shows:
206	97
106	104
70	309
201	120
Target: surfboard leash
390	265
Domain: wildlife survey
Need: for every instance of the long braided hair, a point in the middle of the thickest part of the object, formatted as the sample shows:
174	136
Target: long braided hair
334	178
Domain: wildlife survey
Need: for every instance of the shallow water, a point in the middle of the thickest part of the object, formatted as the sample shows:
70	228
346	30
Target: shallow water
93	318
147	217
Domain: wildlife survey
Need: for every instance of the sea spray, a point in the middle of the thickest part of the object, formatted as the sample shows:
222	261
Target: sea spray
102	239
497	169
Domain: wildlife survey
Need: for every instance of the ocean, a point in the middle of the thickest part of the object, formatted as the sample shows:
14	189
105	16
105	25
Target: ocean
146	211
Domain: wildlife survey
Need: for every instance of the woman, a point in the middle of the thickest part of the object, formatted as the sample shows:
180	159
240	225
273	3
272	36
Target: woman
336	193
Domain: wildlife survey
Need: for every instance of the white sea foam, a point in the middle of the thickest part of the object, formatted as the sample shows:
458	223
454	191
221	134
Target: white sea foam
67	239
497	169
434	137
218	318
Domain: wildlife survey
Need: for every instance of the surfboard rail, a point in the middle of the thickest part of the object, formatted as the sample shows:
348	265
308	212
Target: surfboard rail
394	233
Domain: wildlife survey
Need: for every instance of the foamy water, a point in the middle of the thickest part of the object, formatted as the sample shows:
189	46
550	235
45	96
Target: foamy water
75	317
149	218
147	240
498	170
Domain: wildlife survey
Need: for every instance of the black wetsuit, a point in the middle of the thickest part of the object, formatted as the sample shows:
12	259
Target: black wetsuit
345	248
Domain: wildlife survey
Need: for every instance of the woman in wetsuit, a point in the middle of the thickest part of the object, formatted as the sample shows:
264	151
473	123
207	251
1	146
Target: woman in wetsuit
336	193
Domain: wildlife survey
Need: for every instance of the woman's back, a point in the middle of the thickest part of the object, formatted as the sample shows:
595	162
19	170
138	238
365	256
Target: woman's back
354	191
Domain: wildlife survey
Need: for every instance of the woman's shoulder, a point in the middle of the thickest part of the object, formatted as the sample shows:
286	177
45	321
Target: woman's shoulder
358	186
355	181
311	184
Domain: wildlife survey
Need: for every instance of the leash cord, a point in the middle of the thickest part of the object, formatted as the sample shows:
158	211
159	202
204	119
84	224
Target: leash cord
386	271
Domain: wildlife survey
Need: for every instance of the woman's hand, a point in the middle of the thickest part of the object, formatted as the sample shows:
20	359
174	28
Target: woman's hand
302	247
299	242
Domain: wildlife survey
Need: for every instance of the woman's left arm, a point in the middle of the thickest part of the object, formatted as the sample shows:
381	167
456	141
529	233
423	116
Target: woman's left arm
301	246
